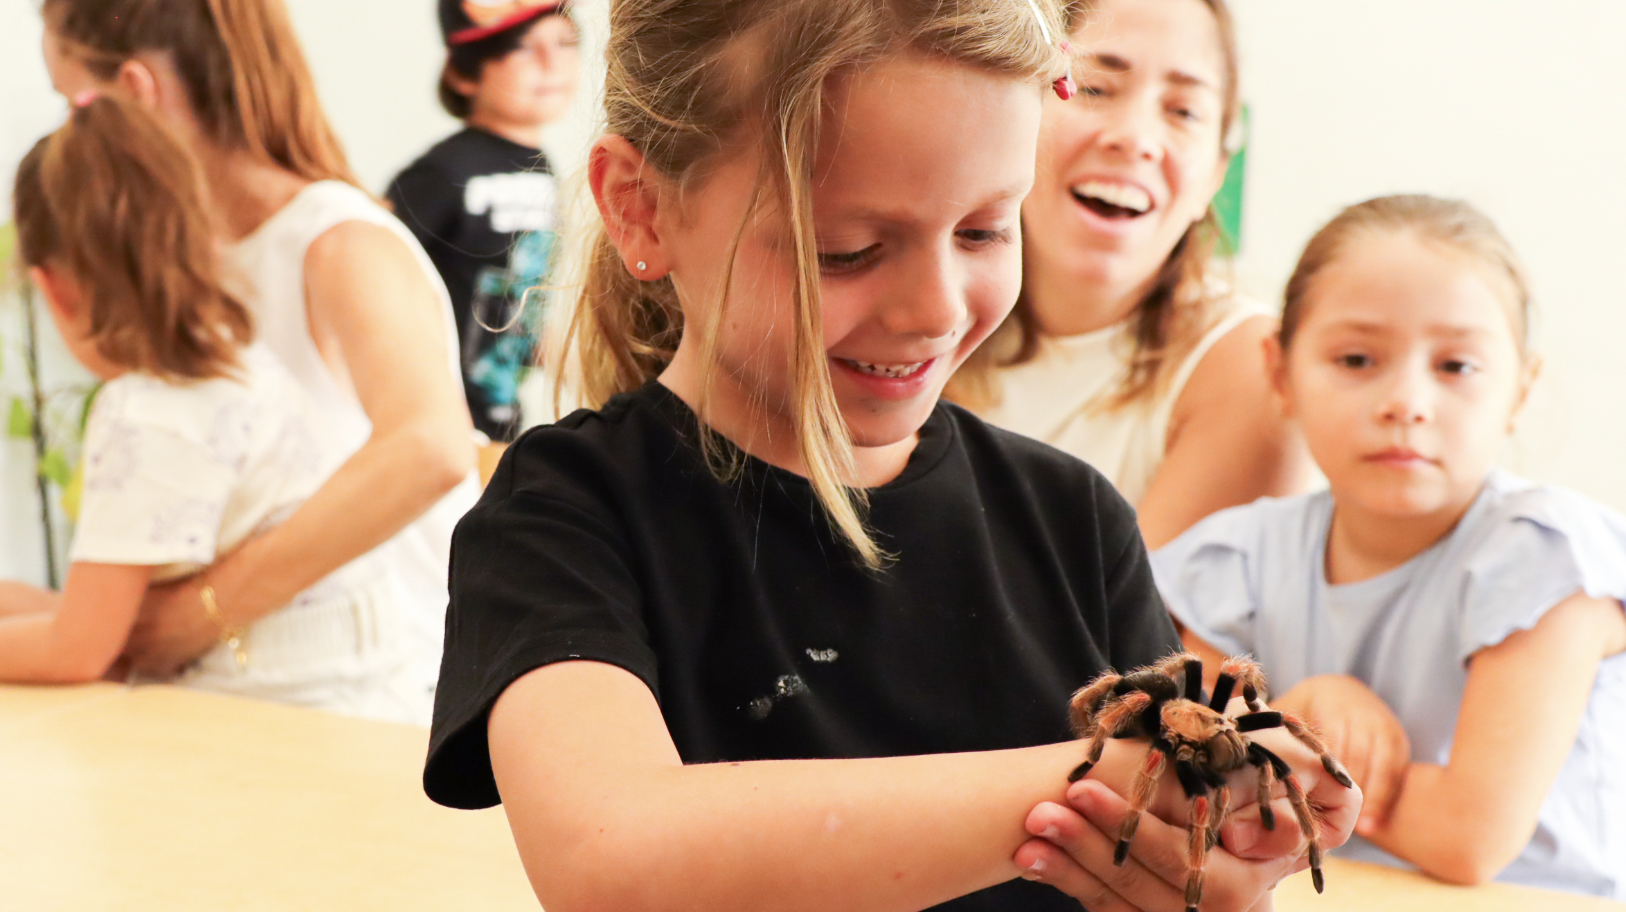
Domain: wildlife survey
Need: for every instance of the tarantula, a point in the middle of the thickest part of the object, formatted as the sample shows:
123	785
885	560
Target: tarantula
1166	704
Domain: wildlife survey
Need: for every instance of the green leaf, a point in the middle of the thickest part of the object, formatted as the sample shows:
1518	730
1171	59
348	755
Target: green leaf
19	423
55	469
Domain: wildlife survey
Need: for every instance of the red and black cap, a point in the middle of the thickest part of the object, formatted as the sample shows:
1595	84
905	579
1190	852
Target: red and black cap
466	21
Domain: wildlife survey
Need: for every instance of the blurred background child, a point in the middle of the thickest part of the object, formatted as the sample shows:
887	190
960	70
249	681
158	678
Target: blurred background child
340	291
198	441
1456	631
483	201
1128	347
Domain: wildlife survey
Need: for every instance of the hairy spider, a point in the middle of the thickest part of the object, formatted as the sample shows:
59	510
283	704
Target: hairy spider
1165	704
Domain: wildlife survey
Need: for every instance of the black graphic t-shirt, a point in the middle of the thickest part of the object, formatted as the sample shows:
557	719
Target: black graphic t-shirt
1020	575
483	207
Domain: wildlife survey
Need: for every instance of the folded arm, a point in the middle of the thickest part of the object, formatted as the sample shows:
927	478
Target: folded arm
47	638
1465	821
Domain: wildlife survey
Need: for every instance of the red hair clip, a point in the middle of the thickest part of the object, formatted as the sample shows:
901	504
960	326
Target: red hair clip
1064	85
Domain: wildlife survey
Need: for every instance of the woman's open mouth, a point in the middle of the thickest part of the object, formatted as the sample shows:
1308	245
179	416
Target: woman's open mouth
1111	200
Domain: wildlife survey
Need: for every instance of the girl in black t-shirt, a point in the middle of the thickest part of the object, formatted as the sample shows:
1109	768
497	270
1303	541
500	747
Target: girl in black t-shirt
773	628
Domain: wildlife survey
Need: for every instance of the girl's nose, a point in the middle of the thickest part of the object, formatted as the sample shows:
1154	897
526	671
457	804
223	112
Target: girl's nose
932	303
1409	400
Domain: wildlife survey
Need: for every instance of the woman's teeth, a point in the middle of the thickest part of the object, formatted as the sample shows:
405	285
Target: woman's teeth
1133	200
890	371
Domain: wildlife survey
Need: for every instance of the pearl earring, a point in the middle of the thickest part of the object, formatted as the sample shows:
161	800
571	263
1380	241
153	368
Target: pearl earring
642	266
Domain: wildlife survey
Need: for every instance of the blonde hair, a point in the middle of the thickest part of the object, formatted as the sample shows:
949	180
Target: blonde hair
114	200
239	60
692	81
1169	318
1450	223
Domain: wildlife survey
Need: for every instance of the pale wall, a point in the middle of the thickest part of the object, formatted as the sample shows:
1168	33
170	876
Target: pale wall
1515	106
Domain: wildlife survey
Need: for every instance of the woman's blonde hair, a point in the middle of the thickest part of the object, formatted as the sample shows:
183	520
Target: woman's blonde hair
239	60
1449	223
693	81
1169	318
115	201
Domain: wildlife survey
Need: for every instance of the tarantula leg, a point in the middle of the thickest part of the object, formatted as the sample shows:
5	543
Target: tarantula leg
1140	795
1222	807
1268	767
1112	719
1257	721
1306	818
1238	670
1192	672
1087	702
1197	846
1307	736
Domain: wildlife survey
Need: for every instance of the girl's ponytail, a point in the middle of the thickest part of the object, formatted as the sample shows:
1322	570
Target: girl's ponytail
239	60
116	203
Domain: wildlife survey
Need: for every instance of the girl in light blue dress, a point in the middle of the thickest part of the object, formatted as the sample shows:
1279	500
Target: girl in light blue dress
1456	631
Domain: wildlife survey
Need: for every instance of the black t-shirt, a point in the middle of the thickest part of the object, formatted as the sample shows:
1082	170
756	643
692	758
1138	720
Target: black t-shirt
483	208
1019	575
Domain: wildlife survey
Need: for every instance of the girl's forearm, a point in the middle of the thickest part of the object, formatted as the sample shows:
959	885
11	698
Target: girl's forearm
859	835
391	481
1447	828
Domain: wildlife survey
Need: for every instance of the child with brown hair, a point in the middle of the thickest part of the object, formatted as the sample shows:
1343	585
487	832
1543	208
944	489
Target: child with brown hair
340	291
199	439
773	627
1457	632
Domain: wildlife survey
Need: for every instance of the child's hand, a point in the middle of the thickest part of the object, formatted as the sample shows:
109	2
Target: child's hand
1361	731
1075	843
171	630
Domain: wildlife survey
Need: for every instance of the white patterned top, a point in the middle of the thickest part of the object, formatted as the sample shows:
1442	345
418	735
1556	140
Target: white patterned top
177	474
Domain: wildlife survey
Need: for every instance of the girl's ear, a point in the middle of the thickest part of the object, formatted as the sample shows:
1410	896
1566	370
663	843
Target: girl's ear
60	296
138	81
628	199
1527	380
1276	372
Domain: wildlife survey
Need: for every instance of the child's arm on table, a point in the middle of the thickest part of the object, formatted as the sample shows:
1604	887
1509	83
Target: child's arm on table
606	816
1361	731
73	637
1465	821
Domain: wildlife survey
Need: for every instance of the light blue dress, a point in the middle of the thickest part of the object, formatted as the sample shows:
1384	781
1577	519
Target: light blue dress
1250	580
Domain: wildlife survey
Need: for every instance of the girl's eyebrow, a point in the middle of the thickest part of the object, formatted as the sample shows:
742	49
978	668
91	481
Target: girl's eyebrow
906	217
1379	328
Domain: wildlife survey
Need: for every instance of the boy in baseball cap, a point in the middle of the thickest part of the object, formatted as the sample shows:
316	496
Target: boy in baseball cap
482	201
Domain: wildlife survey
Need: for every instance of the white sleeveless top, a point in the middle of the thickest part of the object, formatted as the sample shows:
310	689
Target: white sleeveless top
1061	397
272	259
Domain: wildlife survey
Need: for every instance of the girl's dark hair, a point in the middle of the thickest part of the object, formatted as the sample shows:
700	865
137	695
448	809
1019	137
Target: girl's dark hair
1446	222
469	60
116	202
239	61
1170	314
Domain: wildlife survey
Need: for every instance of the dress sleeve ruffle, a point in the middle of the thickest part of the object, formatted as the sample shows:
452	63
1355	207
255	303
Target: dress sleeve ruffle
1205	577
1544	545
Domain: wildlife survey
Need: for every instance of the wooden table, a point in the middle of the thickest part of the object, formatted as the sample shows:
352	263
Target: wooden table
1354	885
157	799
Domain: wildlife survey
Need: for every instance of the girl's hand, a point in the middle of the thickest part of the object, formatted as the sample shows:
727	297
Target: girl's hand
1074	846
1075	843
1361	731
171	630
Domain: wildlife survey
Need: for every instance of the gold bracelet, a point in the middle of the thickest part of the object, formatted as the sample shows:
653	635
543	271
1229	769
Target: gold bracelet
231	636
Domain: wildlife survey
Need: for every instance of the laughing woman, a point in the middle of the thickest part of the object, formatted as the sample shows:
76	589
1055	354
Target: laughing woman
1124	349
